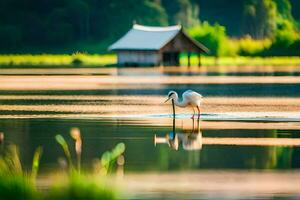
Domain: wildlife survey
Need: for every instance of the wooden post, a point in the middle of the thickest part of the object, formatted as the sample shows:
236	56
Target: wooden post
189	59
199	60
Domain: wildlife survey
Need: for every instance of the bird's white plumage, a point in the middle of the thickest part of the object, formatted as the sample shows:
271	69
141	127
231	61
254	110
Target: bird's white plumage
193	98
189	98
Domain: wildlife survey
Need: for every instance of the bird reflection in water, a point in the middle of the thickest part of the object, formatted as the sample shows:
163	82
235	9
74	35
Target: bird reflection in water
190	141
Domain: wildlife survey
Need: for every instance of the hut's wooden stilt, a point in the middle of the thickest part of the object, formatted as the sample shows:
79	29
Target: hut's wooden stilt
199	60
189	59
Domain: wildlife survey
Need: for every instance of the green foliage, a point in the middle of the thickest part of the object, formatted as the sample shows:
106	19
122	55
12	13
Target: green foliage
109	158
10	163
80	188
77	58
50	60
227	13
10	36
67	26
244	61
284	9
14	183
286	40
269	22
249	47
153	14
60	140
36	162
295	5
255	48
185	12
212	36
259	18
61	23
17	187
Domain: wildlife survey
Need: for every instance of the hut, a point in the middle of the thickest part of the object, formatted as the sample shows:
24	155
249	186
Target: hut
149	45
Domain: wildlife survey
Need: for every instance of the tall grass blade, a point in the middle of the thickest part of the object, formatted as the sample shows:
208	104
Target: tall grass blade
60	140
36	162
12	160
75	134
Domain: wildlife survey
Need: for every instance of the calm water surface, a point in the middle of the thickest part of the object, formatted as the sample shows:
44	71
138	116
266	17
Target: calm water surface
256	154
144	154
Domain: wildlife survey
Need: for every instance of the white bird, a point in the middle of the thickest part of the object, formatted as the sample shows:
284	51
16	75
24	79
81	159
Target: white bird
189	98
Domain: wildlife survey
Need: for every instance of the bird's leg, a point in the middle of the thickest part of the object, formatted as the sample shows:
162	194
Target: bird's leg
193	127
198	112
198	125
193	113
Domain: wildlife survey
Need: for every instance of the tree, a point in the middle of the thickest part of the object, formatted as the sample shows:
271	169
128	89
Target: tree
260	18
184	12
79	17
212	36
10	36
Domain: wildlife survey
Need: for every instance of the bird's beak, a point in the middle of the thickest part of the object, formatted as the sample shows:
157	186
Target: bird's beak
167	100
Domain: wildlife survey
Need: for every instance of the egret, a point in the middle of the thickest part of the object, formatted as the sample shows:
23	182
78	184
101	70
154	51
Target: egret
189	98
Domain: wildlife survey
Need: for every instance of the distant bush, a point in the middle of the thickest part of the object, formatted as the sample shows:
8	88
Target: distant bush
76	61
247	46
212	36
286	41
77	58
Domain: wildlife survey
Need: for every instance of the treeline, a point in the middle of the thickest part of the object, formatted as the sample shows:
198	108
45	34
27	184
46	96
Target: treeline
45	24
268	29
62	22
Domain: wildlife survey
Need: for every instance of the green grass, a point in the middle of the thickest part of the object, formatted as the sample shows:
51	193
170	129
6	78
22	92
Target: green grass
62	60
17	187
15	183
75	187
242	61
99	60
80	188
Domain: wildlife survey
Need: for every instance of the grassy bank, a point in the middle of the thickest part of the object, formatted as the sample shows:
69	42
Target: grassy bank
69	182
61	60
98	60
242	61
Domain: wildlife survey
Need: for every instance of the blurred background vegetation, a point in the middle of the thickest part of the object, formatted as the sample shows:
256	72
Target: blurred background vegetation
228	28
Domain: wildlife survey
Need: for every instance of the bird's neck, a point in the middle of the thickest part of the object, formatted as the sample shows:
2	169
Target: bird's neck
182	103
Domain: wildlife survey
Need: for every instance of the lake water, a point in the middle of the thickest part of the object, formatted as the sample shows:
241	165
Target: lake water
245	146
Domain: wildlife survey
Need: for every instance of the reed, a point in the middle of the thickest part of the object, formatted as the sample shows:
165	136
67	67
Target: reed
110	158
15	183
62	142
75	134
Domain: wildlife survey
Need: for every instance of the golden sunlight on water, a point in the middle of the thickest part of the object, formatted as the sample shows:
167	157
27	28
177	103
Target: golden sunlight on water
251	141
116	105
109	82
154	70
223	183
